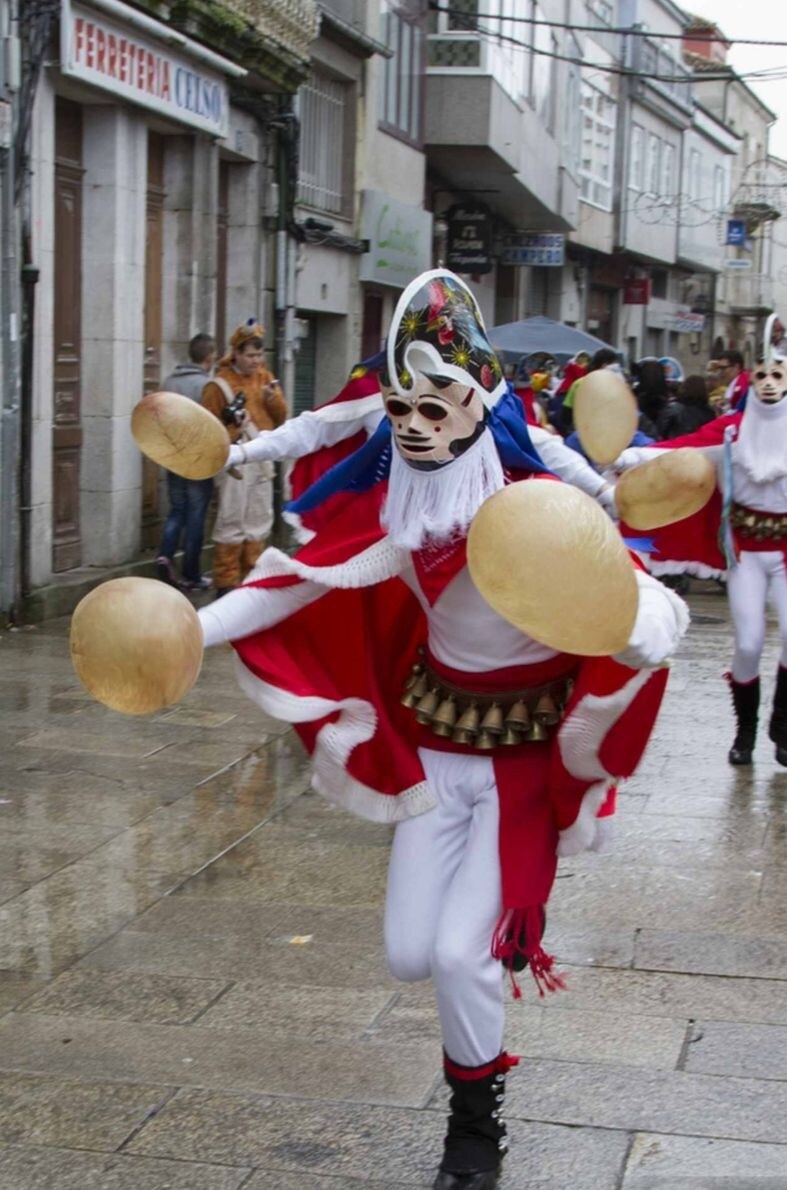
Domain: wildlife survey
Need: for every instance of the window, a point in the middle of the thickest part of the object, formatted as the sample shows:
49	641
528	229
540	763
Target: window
598	146
668	171
321	176
603	10
694	180
572	127
654	165
401	91
543	70
637	159
719	189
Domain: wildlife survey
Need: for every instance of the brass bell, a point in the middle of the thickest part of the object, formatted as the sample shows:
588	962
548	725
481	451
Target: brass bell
518	717
468	721
460	736
511	736
444	719
426	706
415	688
485	740
537	732
546	712
492	721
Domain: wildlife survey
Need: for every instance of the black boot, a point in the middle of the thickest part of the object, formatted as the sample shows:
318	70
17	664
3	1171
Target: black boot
746	701
475	1143
777	730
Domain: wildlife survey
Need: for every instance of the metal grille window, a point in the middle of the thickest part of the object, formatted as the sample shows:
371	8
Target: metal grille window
654	165
637	159
401	92
321	179
668	171
598	146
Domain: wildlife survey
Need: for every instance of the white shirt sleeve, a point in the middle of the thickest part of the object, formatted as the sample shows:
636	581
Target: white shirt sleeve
311	431
569	464
250	609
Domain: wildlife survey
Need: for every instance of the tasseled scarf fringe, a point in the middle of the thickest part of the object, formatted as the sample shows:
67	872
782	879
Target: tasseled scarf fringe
518	933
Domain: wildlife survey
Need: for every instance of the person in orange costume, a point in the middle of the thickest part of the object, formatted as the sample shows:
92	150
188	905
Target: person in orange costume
244	396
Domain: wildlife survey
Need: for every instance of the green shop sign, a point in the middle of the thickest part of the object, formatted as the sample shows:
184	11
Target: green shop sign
400	240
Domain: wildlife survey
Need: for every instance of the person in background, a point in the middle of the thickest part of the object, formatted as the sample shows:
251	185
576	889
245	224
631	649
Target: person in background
689	410
778	342
188	498
245	397
736	378
574	370
605	357
717	389
652	393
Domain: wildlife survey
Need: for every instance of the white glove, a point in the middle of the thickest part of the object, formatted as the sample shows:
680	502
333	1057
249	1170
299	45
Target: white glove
662	619
236	457
606	498
632	456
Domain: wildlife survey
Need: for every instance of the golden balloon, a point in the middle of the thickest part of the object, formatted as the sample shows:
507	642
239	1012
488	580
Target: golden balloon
136	645
605	415
673	485
548	560
180	435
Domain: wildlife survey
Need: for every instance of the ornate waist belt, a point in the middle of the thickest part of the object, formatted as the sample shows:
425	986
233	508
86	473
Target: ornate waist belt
762	526
485	719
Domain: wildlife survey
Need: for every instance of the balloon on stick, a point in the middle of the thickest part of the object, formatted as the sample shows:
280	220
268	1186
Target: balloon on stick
605	415
180	435
550	561
136	644
674	484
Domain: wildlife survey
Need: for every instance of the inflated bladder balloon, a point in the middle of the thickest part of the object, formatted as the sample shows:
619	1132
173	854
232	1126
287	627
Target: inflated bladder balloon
674	484
605	415
136	644
550	561
180	435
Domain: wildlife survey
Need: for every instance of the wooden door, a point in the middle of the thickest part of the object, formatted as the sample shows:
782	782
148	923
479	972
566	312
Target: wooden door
222	218
67	320
154	247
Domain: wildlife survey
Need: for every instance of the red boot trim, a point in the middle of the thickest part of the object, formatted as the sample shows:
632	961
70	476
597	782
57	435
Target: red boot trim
469	1074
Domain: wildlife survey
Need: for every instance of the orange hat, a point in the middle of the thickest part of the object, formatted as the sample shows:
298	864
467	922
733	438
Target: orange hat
250	329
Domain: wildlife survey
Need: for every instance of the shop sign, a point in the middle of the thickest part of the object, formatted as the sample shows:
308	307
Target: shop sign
399	237
122	60
736	232
685	321
636	291
537	249
737	264
469	240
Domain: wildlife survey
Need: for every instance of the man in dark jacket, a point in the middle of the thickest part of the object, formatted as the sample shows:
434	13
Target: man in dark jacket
188	498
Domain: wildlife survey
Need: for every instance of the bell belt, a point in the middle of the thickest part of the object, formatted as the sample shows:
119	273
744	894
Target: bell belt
751	523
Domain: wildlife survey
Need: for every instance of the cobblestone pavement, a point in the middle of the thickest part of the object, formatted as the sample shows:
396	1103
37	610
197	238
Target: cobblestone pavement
193	995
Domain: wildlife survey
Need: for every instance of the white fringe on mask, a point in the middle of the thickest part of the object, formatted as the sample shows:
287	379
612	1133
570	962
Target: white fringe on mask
435	506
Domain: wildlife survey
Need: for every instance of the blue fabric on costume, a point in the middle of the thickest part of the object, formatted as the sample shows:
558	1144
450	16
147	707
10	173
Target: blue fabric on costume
372	462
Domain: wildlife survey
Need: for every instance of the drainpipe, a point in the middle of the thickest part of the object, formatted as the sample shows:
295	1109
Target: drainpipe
11	412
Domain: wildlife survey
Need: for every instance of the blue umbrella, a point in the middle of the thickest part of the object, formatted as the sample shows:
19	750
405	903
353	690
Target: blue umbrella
512	340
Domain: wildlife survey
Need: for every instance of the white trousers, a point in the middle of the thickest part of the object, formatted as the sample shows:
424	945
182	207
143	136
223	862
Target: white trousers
444	901
757	576
245	511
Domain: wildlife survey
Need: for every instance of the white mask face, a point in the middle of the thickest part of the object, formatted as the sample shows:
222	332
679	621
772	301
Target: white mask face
770	383
435	423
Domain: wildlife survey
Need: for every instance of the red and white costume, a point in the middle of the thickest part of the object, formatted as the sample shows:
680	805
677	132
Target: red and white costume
326	639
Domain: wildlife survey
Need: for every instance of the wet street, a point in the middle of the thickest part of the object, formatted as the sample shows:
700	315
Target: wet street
193	994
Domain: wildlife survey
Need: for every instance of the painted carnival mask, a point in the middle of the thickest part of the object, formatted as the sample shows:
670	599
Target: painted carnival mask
442	375
770	382
436	422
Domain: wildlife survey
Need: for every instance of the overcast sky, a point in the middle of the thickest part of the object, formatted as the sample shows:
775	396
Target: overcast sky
755	18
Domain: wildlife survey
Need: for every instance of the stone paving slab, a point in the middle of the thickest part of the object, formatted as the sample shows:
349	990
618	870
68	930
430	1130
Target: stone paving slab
243	1060
727	1048
367	1143
711	954
127	996
635	1100
25	1168
42	1110
696	1163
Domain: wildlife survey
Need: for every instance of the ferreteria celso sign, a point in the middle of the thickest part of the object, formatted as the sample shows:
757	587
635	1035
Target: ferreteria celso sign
140	70
400	240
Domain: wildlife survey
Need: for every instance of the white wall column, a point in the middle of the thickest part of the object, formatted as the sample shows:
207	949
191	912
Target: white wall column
113	297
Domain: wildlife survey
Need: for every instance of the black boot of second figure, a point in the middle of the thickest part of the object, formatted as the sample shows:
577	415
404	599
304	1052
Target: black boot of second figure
746	701
475	1144
777	730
